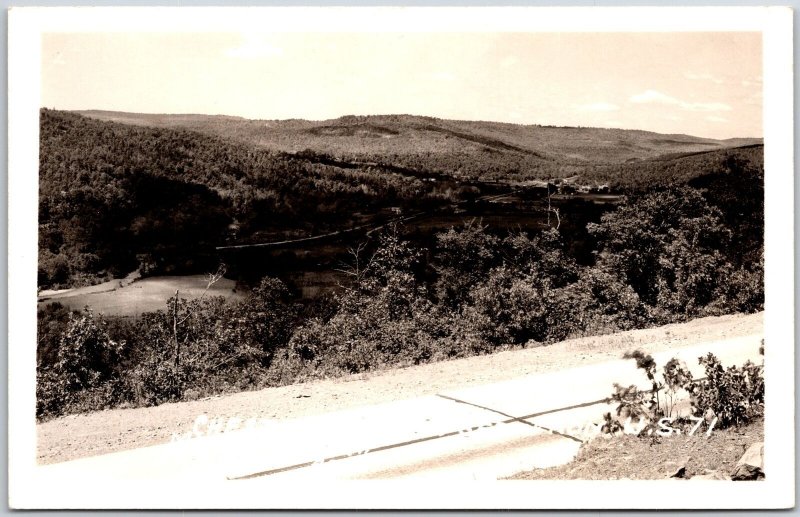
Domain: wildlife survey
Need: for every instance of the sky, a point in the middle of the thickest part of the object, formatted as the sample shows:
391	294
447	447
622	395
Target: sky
703	84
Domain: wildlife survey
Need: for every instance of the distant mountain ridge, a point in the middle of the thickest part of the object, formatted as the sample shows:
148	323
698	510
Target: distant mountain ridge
408	139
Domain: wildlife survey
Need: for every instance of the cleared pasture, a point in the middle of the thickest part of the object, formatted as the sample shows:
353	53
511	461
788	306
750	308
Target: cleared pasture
146	295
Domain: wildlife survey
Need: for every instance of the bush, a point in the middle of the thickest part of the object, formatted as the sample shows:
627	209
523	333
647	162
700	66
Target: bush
735	394
52	321
463	257
85	374
208	346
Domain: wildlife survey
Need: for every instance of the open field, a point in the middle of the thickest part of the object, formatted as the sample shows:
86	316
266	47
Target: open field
119	298
76	436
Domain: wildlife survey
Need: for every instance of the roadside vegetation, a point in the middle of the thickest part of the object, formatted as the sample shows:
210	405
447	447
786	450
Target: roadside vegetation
649	437
723	398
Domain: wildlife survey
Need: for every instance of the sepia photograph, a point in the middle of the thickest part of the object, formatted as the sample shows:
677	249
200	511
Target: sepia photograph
401	258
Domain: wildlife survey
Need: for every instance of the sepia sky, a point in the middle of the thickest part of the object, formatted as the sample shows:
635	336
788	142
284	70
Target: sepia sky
704	84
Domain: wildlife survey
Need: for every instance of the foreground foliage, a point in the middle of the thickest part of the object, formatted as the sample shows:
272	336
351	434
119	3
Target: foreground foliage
725	397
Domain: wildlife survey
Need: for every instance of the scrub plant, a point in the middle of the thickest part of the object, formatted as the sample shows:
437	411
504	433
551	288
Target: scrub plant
732	396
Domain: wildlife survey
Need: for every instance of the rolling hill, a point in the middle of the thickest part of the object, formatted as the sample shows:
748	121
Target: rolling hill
466	149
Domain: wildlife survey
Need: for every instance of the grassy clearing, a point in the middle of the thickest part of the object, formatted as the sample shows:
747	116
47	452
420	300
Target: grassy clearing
150	294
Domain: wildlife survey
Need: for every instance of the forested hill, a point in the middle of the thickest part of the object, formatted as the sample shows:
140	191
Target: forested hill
466	149
115	197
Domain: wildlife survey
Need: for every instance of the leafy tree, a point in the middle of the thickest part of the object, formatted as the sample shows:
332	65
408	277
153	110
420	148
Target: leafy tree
542	256
52	320
667	247
463	258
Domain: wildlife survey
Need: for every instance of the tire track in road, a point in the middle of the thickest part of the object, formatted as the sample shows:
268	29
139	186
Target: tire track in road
509	419
513	418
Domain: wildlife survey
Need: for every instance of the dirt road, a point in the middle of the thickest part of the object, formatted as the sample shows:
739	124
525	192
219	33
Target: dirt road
103	432
480	433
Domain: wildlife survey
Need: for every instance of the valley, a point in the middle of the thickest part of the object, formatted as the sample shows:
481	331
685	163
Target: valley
366	243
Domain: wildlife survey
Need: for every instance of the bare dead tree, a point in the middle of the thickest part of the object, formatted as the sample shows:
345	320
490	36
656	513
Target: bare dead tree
356	267
213	278
558	217
550	208
353	268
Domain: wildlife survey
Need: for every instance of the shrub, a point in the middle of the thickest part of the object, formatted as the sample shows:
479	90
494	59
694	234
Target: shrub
463	257
506	308
52	321
745	291
208	346
85	372
735	394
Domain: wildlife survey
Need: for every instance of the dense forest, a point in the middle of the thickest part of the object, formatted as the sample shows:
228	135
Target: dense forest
114	198
685	241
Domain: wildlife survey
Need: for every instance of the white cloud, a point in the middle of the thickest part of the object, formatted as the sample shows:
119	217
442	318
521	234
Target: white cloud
652	96
598	106
704	77
706	106
254	47
714	118
656	97
755	82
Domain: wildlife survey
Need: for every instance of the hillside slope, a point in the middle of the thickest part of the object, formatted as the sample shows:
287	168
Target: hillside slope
462	148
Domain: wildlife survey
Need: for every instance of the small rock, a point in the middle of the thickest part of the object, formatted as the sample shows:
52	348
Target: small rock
680	472
751	465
